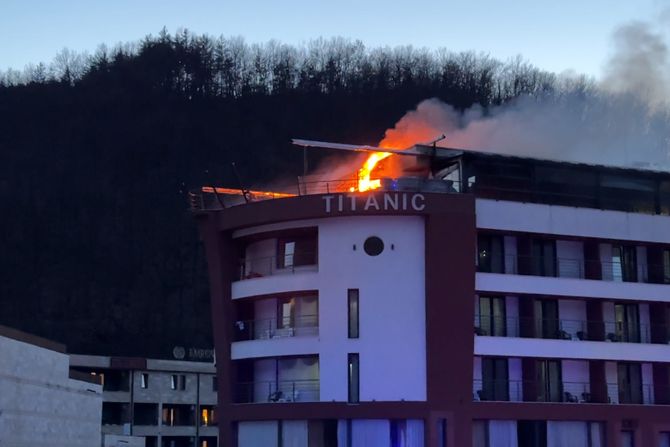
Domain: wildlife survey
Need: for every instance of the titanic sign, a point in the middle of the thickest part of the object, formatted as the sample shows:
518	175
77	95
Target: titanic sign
389	201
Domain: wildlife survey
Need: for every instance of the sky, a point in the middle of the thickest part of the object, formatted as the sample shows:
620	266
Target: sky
553	35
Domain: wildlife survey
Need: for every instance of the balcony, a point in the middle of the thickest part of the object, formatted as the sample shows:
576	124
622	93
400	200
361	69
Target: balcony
259	267
270	328
566	329
277	391
568	392
563	267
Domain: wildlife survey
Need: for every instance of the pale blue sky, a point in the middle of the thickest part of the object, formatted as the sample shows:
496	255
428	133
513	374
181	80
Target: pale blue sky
554	35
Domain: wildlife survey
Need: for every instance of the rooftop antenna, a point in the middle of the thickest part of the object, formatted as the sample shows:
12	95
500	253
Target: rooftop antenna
245	192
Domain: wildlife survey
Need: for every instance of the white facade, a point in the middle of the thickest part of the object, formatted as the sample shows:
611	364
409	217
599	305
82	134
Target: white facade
392	342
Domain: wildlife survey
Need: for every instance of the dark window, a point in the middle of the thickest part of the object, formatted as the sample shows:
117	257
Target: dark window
627	193
666	266
215	383
116	381
178	415
549	383
115	413
569	186
178	382
490	253
664	197
495	383
144	380
624	263
630	383
145	414
546	319
353	376
492	319
543	257
296	251
627	322
532	433
373	246
352	297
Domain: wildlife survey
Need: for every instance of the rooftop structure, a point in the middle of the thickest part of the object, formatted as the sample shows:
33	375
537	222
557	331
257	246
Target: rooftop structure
491	301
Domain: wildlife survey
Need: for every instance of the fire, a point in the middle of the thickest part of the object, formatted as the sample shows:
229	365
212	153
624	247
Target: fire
364	181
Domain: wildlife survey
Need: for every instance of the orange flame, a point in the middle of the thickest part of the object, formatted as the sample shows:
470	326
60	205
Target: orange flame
364	181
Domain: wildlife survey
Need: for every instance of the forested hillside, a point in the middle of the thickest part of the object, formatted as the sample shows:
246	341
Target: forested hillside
98	152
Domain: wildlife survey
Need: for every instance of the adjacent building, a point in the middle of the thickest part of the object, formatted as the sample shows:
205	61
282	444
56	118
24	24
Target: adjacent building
41	402
154	403
500	301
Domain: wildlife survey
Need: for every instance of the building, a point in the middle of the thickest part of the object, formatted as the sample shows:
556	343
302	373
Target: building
154	403
41	403
500	301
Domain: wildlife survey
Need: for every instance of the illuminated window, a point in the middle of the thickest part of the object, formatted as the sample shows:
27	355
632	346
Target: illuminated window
353	376
144	380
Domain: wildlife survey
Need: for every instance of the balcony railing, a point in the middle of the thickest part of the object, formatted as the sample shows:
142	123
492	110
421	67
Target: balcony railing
566	329
276	265
568	392
269	328
277	391
562	267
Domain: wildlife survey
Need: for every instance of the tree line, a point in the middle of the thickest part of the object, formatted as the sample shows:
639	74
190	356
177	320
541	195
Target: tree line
99	250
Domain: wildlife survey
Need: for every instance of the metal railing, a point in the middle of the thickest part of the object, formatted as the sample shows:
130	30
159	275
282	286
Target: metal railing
561	267
568	329
269	328
258	267
567	392
277	391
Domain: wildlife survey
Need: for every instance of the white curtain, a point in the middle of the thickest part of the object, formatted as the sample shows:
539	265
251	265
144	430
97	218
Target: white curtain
342	433
294	434
502	434
413	434
254	434
567	434
597	430
370	432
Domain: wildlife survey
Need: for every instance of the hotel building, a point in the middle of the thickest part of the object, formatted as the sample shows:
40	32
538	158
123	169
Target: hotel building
500	301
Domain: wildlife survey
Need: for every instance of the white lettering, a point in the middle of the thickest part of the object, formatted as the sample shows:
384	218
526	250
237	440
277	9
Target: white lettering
340	201
328	199
404	202
353	203
390	202
371	201
418	206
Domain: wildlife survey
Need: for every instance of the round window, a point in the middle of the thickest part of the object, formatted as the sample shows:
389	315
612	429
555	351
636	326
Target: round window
373	246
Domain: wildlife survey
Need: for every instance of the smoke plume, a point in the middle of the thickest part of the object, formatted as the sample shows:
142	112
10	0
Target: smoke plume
623	120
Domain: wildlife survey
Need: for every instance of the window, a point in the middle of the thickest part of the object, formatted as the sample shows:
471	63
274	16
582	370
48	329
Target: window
546	319
207	415
145	414
624	263
543	257
630	383
666	266
490	253
144	380
532	433
492	319
178	415
549	383
353	376
178	382
215	384
495	383
627	324
285	312
352	297
627	439
296	251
